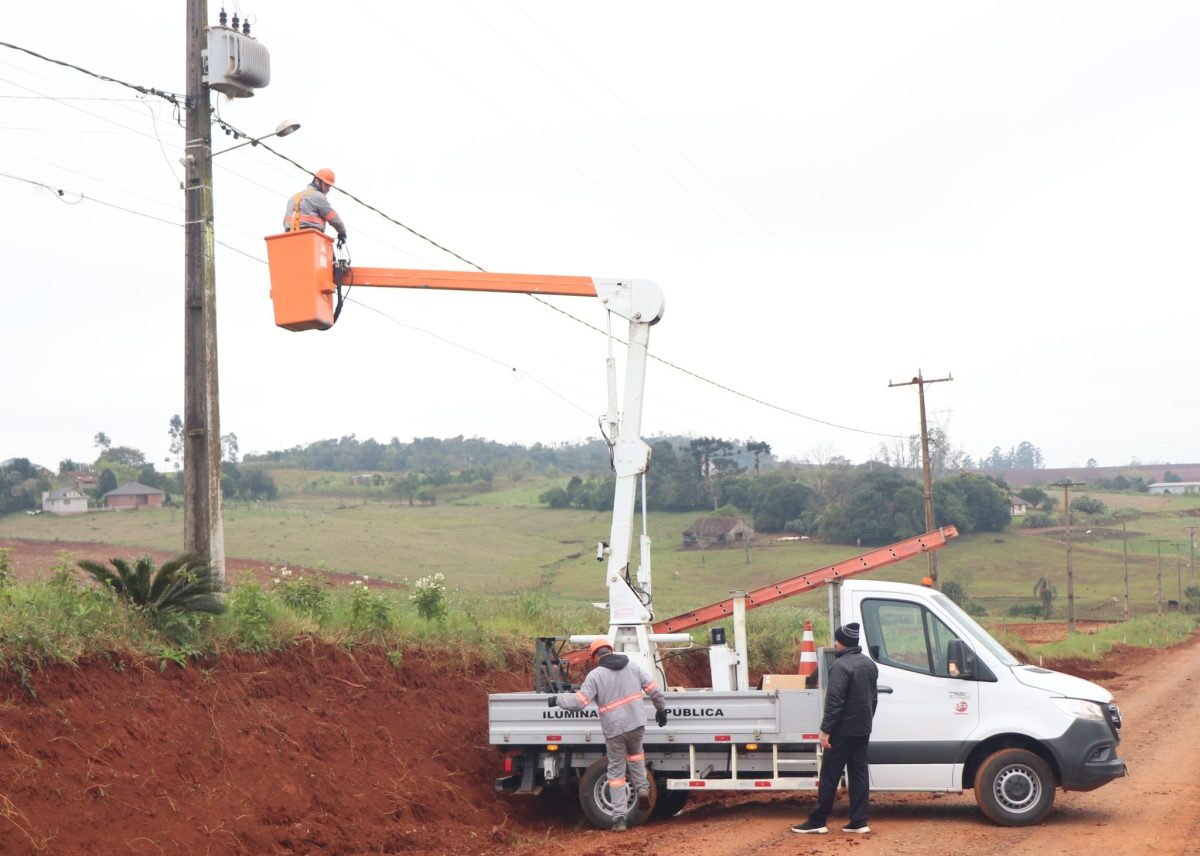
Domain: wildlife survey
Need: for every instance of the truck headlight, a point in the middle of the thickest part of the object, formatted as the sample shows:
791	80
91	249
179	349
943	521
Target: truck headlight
1079	708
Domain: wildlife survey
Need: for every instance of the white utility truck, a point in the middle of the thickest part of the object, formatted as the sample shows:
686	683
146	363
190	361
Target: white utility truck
956	710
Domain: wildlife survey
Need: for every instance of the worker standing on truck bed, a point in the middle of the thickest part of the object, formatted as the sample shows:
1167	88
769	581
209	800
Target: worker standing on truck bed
310	208
616	685
850	701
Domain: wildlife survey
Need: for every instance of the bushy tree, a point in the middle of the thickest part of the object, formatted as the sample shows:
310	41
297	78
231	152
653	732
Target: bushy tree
884	506
781	503
1088	505
981	503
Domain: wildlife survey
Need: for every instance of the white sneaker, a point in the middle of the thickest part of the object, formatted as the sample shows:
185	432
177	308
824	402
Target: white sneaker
859	827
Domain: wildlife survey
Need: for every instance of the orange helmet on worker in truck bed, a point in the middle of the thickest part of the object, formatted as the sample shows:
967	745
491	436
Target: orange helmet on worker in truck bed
596	645
326	175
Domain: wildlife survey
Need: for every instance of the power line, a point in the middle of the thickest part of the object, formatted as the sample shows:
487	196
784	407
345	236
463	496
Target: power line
172	97
179	101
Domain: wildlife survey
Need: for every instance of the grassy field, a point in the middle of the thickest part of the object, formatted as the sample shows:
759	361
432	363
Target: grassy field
505	542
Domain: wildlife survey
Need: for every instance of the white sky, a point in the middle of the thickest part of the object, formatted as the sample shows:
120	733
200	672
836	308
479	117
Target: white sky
831	196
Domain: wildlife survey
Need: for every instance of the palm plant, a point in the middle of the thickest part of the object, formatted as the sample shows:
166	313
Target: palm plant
183	584
1045	592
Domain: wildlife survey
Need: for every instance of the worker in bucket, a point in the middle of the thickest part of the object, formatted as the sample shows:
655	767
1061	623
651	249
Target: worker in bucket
850	701
310	208
616	685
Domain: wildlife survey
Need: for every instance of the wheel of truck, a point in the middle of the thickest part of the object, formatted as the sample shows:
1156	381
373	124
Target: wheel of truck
1014	787
597	804
669	803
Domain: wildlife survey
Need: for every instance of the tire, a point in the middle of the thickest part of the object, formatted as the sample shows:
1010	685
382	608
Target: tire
1014	787
594	798
669	803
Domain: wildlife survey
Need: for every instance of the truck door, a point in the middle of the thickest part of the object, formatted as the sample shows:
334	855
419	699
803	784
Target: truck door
922	724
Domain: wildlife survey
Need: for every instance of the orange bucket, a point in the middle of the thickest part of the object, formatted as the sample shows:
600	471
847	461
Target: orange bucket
301	279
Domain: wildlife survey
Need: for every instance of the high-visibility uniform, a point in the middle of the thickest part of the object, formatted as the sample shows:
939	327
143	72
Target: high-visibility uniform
310	209
617	686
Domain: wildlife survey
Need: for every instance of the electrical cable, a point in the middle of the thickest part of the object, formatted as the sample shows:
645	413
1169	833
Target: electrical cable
172	97
175	99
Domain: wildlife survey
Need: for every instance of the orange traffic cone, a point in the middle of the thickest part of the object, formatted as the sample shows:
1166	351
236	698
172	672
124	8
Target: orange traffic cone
808	652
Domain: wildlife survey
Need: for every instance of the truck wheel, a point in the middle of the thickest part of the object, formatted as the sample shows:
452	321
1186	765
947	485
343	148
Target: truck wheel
669	803
597	805
1014	787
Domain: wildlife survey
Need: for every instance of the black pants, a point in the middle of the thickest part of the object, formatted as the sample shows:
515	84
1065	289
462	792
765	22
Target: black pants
849	754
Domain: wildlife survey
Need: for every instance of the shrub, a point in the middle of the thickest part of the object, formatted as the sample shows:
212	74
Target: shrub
306	596
429	596
369	612
250	609
6	566
1026	610
1037	520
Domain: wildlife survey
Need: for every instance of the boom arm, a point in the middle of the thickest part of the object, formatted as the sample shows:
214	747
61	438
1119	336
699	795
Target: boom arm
302	289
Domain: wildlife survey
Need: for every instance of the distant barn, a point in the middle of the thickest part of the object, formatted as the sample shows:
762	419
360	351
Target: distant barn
717	532
134	495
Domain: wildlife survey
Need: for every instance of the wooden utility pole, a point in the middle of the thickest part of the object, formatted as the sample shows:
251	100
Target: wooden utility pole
920	383
1178	578
1125	556
1158	591
203	530
1192	554
1066	485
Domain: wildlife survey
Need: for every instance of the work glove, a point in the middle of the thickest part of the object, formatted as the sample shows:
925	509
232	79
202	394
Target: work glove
661	718
552	701
341	241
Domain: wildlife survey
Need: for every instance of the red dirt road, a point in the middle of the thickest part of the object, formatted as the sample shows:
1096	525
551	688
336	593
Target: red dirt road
320	751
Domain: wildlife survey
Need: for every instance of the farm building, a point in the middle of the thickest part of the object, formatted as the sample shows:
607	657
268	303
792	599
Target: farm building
1179	487
134	495
66	500
717	532
1019	506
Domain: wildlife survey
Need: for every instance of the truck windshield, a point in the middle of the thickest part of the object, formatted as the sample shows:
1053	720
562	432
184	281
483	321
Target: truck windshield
978	633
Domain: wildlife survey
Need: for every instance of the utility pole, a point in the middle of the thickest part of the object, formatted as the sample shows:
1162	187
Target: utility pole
1192	554
1158	592
1178	578
1125	556
920	383
1066	485
203	530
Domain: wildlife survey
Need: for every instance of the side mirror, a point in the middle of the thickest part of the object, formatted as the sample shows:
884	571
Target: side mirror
960	660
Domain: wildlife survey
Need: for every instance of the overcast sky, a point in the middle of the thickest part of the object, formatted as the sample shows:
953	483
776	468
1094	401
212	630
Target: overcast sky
831	196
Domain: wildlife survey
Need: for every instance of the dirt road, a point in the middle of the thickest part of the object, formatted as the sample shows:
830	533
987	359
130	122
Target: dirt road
1154	810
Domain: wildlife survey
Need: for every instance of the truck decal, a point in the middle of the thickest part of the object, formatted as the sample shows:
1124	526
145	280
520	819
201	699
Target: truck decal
699	711
559	713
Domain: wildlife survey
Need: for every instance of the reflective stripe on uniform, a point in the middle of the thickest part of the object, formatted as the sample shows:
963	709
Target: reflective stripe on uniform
583	700
641	756
616	783
330	215
650	686
635	697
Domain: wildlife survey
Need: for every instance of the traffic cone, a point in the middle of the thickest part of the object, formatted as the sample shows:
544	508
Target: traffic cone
808	652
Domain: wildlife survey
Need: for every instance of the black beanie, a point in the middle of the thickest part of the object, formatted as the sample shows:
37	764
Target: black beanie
847	634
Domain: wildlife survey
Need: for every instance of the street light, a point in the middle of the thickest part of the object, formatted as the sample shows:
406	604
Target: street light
287	126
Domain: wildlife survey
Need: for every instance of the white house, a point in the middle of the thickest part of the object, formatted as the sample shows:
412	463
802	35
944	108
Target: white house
66	500
1179	487
1019	506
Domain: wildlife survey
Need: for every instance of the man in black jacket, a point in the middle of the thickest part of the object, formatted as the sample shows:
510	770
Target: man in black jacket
850	700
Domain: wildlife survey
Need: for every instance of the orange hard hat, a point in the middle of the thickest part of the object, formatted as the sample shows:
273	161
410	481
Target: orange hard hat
596	645
326	175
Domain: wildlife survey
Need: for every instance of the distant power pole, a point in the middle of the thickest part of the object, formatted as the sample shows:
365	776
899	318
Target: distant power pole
203	530
1125	555
1158	592
1066	485
920	383
1178	577
1192	554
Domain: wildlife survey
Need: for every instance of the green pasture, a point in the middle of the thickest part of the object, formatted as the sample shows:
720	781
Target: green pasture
504	542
